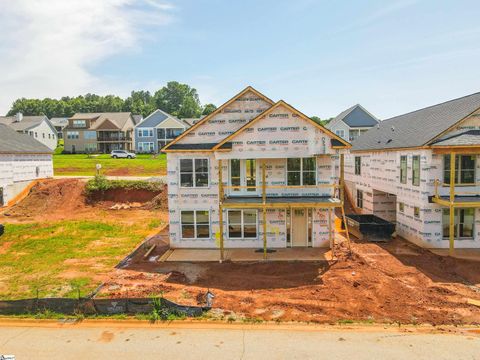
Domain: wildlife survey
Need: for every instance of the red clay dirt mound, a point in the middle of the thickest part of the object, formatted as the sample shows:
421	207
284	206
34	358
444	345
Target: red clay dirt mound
58	199
52	196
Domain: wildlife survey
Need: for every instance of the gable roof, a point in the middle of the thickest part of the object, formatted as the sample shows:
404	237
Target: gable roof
217	111
137	118
157	117
120	119
12	142
59	121
466	138
341	142
26	123
417	128
356	116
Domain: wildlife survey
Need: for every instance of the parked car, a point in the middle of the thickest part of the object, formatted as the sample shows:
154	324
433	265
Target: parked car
122	154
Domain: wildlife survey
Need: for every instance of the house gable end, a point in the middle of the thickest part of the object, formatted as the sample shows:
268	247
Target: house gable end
226	119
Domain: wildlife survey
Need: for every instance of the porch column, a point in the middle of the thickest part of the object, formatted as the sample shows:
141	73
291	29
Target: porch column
342	178
220	207
452	203
264	210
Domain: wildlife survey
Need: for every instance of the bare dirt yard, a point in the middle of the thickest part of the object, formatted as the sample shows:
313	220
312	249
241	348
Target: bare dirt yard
386	283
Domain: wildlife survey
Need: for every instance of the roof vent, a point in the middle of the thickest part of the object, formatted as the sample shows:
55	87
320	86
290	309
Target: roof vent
393	128
388	141
18	117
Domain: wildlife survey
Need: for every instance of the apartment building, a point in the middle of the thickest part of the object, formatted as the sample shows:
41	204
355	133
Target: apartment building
422	171
254	174
99	132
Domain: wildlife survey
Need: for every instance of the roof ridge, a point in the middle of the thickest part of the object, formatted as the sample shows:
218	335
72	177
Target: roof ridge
431	106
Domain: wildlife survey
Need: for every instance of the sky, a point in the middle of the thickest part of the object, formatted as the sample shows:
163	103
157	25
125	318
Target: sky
320	56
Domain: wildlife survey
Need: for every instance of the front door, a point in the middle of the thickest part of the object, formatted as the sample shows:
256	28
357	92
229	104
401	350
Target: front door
299	228
243	173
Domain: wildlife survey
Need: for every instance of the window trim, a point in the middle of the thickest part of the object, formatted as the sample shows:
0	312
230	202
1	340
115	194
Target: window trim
359	197
195	225
301	170
457	226
413	170
416	216
342	131
242	224
193	173
405	170
141	130
458	172
146	142
359	158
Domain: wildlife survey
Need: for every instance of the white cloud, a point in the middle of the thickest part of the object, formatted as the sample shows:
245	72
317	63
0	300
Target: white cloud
48	46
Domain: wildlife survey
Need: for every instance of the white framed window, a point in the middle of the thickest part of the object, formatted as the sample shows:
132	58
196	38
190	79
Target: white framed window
301	171
358	165
90	135
242	224
194	172
195	224
416	170
464	223
145	132
70	135
360	199
340	133
166	135
79	123
403	169
146	146
464	169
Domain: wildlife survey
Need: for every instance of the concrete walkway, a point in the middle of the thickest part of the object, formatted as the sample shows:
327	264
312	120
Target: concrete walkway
222	341
244	255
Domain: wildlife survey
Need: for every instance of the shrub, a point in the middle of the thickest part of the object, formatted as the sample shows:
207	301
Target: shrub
101	183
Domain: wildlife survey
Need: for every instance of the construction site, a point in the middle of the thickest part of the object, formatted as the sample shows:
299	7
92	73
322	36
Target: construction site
388	282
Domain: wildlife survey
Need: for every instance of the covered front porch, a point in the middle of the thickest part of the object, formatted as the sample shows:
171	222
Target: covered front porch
458	193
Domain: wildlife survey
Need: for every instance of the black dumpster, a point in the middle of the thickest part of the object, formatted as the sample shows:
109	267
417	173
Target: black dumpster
370	227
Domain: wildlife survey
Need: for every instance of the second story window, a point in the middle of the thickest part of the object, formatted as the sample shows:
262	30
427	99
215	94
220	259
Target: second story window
301	171
194	172
79	123
416	170
464	169
72	135
403	169
358	165
145	132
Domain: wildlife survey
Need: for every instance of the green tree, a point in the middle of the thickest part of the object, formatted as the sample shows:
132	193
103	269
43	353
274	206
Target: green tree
320	121
178	99
208	109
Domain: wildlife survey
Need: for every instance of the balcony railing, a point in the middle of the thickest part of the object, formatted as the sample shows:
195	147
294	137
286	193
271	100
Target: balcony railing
457	189
113	138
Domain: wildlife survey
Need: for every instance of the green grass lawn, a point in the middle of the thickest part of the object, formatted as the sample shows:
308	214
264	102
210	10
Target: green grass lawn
57	258
82	164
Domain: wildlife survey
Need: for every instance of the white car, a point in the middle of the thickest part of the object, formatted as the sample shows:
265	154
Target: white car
122	154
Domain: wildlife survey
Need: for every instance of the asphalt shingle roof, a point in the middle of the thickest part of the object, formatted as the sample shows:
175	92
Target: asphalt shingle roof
419	127
26	123
356	116
12	142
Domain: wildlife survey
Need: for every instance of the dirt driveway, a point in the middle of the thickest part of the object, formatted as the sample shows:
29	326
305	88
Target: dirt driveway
395	282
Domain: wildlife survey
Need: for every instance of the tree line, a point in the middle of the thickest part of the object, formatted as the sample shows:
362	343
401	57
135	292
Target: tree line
175	98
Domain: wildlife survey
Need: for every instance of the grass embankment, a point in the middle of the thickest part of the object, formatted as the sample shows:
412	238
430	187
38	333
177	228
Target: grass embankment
59	258
101	183
84	165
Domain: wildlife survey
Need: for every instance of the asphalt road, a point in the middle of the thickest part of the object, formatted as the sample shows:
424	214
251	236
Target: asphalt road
106	341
